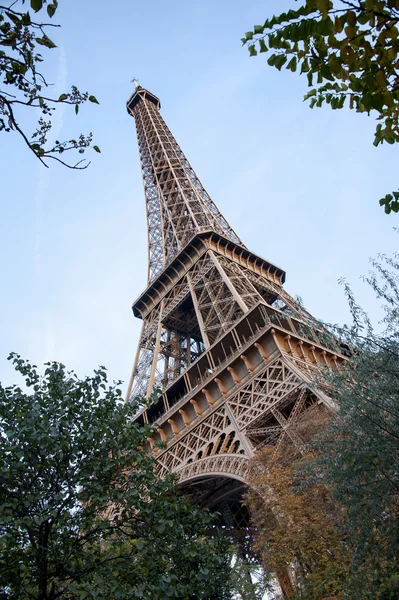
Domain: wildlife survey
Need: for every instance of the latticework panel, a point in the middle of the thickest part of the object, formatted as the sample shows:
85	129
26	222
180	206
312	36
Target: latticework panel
215	301
145	353
198	310
263	392
215	435
178	206
171	336
238	276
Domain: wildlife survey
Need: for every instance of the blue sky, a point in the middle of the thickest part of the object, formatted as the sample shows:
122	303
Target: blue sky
301	187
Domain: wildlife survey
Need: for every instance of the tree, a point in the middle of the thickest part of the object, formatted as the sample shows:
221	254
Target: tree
24	86
349	50
83	513
358	455
299	527
249	580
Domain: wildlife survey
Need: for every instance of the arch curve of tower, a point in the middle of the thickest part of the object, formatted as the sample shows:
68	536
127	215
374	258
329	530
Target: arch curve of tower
232	466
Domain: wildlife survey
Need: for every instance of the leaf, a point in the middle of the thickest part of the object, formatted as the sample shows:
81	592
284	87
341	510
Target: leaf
259	29
10	41
351	18
252	50
93	99
271	60
36	4
45	41
363	18
76	108
280	61
325	72
63	97
350	32
292	64
388	98
262	45
310	94
51	8
338	25
26	20
380	79
97	149
14	18
305	66
334	64
323	6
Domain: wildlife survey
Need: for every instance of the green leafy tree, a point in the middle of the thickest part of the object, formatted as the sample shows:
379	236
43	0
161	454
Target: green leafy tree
249	580
83	513
349	51
359	453
23	86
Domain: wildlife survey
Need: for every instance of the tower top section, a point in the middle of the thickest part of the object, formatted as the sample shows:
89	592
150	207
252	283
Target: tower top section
178	206
141	94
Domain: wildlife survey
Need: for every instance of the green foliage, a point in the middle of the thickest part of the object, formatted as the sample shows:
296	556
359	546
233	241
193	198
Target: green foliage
359	453
349	52
83	513
24	86
249	580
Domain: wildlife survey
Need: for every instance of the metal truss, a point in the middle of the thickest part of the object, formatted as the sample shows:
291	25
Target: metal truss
178	205
263	392
214	293
263	408
213	435
233	354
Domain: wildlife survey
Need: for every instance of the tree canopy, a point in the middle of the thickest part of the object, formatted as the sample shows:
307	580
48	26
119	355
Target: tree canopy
359	452
24	86
83	513
297	527
349	51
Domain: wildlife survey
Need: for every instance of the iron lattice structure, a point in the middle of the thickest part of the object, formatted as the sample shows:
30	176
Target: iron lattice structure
231	351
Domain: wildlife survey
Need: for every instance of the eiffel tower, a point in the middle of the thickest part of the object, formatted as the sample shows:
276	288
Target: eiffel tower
232	353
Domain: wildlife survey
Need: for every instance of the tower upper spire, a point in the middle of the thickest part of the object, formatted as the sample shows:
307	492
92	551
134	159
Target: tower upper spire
178	206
